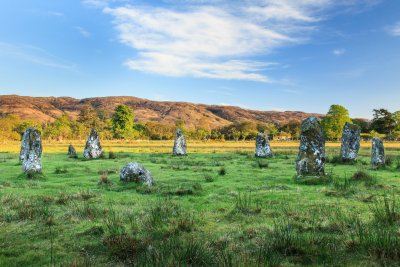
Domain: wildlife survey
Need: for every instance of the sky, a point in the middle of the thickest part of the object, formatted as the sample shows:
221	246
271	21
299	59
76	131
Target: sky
299	55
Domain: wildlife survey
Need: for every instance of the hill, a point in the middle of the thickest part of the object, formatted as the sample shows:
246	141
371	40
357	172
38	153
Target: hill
46	109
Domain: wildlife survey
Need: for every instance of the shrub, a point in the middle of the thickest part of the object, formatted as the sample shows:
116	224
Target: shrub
222	171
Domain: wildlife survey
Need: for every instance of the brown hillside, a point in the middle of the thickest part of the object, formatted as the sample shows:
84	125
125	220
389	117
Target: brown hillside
46	109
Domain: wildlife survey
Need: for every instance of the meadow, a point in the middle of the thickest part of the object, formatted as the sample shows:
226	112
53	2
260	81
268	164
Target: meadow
219	206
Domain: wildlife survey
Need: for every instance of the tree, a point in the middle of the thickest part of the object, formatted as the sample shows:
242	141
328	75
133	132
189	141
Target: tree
334	121
89	117
292	128
383	121
363	123
122	122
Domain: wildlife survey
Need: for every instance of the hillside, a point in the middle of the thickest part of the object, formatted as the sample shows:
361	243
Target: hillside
46	109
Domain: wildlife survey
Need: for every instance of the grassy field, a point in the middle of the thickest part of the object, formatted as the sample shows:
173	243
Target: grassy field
219	206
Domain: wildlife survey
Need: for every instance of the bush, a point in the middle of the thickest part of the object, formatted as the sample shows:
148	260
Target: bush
222	171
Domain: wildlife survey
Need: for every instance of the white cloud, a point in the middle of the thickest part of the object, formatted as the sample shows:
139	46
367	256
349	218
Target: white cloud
394	29
339	52
83	32
215	39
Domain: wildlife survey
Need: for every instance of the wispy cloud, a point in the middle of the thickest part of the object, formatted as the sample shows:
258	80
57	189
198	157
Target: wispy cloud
35	55
394	29
83	32
339	52
215	39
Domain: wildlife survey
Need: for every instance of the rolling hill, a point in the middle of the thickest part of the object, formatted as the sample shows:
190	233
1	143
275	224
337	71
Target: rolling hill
47	109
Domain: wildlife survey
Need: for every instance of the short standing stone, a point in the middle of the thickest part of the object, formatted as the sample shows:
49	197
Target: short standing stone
378	153
179	144
263	149
350	142
32	151
135	172
311	158
93	148
72	151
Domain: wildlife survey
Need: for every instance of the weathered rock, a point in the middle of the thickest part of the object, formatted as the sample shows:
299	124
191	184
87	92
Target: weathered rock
263	149
311	158
350	142
24	145
93	148
72	151
31	151
179	144
378	153
135	172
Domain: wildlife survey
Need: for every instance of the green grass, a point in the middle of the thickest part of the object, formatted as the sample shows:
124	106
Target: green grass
207	209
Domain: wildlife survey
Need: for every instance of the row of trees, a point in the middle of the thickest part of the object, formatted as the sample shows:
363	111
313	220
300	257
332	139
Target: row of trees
121	126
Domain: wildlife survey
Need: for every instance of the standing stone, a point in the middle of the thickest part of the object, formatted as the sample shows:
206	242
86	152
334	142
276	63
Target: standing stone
378	153
93	148
72	151
135	172
263	149
311	158
24	145
179	144
350	142
31	151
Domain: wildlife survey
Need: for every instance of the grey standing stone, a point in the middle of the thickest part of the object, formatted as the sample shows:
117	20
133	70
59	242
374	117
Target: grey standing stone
350	142
378	153
93	148
135	172
179	144
263	149
72	151
31	151
311	158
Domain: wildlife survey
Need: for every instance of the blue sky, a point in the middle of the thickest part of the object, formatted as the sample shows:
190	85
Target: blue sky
260	54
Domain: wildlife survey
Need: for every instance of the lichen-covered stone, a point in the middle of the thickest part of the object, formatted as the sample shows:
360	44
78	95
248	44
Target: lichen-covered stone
378	153
350	142
135	172
31	151
311	157
263	149
179	144
72	151
93	148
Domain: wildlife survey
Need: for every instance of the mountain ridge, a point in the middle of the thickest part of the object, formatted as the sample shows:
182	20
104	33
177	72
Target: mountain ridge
47	109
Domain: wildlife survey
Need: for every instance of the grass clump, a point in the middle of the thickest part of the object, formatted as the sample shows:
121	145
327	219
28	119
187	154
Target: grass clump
222	171
386	210
208	178
262	163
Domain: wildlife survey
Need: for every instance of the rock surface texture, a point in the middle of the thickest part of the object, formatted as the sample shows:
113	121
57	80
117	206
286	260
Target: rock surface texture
135	172
31	151
378	153
263	149
350	142
311	158
93	148
72	151
179	144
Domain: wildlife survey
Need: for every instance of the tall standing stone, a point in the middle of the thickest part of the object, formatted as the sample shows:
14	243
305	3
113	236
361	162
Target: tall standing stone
93	148
311	158
350	142
72	151
31	151
263	149
179	144
378	153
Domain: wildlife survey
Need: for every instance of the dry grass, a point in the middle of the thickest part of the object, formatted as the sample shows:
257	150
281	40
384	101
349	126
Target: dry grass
166	146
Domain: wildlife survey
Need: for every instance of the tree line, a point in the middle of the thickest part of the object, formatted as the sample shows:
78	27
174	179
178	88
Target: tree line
121	125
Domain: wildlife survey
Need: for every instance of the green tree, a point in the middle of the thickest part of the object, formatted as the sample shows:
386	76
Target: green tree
122	122
334	121
383	121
